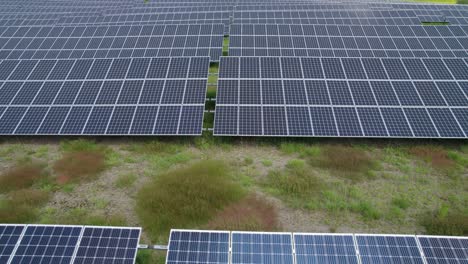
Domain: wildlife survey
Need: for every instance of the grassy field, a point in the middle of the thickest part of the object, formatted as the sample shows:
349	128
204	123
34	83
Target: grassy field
375	186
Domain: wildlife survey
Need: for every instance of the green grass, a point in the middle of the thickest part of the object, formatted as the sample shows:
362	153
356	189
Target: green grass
80	216
125	181
185	198
297	185
435	23
226	46
22	206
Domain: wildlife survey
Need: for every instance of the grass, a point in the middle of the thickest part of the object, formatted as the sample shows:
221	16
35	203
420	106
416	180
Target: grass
348	162
425	23
295	184
226	46
21	176
22	206
249	214
186	197
80	216
125	181
76	166
444	222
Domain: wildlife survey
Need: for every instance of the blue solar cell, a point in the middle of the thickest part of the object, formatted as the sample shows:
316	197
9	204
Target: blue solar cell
167	120
42	70
8	92
291	68
312	68
262	248
7	67
53	121
437	69
47	244
23	70
299	121
353	68
143	121
249	67
324	248
9	237
198	246
384	93
190	117
76	120
250	120
444	250
151	93
420	122
372	122
452	93
226	120
339	93
101	245
31	120
98	120
173	92
121	120
395	69
317	92
274	121
178	68
388	249
429	94
332	68
88	93
445	122
80	70
323	121
294	92
407	94
347	121
10	119
269	67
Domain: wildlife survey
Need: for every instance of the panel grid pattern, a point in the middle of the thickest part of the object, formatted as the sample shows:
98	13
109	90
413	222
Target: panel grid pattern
139	96
198	247
348	97
443	250
324	248
251	247
9	238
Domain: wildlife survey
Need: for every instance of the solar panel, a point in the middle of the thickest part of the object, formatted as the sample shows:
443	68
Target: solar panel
439	249
107	245
106	96
324	248
142	41
388	249
340	97
9	237
47	244
198	247
255	247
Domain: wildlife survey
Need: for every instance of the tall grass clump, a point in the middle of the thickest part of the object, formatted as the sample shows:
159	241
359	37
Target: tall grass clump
438	157
252	213
21	176
79	165
186	197
445	222
22	206
347	162
296	184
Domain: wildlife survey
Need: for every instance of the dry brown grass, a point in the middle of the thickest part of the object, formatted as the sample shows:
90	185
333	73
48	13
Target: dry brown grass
436	156
22	206
21	176
249	214
346	161
77	165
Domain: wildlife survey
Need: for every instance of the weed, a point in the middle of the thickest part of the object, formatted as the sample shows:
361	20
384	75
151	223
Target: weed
125	181
366	210
295	164
248	161
436	156
444	222
186	197
297	185
249	214
21	176
401	202
77	165
81	216
347	162
161	163
291	148
79	145
267	163
22	206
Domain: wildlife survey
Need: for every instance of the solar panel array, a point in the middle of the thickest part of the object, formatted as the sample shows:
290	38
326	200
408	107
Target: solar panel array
46	42
131	96
195	246
348	41
351	97
68	244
